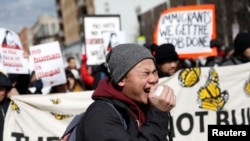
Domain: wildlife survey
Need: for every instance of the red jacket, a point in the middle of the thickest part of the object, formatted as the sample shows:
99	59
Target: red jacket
87	78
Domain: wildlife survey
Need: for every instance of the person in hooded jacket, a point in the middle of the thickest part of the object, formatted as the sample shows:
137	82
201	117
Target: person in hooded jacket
167	60
5	87
241	50
130	88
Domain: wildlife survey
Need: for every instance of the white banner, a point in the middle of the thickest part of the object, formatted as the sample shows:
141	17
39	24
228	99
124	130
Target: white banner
42	117
205	96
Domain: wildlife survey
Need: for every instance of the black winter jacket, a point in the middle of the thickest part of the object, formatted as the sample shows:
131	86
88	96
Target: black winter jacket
101	123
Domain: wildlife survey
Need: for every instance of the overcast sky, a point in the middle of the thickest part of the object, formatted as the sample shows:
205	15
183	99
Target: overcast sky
16	14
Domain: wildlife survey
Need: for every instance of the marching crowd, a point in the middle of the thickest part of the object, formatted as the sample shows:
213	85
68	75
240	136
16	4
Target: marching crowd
128	80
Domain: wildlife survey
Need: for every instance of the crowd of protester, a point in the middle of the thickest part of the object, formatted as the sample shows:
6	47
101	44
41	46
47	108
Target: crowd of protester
167	62
86	78
239	53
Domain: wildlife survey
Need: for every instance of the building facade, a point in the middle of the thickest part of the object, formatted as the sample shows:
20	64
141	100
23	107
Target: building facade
71	32
45	29
26	37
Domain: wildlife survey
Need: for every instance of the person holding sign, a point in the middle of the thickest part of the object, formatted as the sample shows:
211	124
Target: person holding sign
72	84
5	87
167	60
131	88
241	50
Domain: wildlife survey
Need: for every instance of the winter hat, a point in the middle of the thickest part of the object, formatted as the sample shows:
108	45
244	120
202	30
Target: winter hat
215	43
122	58
153	48
166	52
5	81
241	42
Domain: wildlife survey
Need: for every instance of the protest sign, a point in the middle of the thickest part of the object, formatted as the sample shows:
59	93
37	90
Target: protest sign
189	28
94	27
48	63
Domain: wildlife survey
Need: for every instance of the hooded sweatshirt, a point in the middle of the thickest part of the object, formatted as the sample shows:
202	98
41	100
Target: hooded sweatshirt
108	91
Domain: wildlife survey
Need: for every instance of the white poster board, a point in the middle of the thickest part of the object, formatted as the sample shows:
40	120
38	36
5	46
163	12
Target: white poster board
189	28
94	27
48	63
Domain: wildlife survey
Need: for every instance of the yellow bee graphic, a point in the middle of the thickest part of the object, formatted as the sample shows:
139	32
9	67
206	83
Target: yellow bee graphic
247	87
56	101
14	106
189	76
60	116
210	97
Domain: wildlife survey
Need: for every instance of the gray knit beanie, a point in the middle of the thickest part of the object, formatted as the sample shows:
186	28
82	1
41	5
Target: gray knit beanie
122	58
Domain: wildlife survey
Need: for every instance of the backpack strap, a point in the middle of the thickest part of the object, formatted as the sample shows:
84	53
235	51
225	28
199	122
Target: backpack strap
123	122
70	132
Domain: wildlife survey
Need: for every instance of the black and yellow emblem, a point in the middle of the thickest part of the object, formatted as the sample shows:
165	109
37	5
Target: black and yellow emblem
60	116
210	96
56	101
247	87
189	76
14	106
